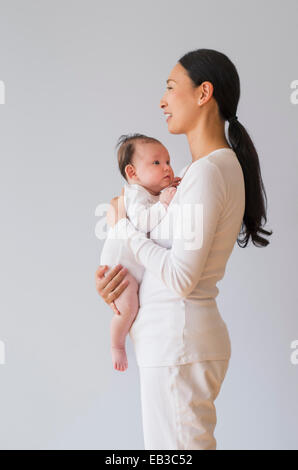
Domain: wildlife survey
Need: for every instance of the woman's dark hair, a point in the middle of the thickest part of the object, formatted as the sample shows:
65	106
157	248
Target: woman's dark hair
126	150
213	66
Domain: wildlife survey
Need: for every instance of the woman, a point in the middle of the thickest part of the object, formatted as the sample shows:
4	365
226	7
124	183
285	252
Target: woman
182	344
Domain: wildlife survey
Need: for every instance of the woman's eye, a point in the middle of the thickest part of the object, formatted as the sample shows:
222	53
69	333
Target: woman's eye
169	87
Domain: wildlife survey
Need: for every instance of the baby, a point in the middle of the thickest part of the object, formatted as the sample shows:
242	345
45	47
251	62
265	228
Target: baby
145	164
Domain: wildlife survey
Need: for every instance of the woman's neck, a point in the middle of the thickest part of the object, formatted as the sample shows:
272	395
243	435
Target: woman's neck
208	135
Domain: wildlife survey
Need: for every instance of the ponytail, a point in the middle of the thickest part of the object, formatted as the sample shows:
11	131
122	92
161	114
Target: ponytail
255	194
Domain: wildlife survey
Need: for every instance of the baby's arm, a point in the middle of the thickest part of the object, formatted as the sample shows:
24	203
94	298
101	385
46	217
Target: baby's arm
146	218
167	195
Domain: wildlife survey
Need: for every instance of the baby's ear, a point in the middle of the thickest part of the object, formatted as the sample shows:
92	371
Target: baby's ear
130	171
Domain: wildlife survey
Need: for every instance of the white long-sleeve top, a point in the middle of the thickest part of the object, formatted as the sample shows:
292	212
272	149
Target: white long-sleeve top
143	209
178	321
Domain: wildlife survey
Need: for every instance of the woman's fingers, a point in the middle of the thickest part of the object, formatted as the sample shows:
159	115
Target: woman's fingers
102	280
113	295
111	287
99	273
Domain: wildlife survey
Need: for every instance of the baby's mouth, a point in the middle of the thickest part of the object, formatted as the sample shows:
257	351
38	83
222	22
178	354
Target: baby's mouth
167	180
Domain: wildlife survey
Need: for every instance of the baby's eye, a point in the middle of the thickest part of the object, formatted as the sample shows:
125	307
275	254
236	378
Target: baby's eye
156	161
168	163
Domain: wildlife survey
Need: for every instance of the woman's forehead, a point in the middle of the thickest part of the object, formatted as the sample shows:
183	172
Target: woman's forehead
177	74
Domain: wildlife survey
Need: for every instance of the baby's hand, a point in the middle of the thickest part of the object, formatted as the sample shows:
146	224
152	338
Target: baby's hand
167	195
175	181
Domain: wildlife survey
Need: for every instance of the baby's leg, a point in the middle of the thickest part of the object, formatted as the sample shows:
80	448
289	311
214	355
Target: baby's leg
128	305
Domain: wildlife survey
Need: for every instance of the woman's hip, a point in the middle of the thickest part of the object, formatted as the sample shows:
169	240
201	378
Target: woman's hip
178	404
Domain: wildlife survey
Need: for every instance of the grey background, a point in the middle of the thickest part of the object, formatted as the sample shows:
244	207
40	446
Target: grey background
78	74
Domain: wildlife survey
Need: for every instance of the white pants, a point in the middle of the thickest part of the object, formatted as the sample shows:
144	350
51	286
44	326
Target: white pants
177	404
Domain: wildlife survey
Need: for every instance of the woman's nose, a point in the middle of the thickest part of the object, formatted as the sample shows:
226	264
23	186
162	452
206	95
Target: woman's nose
162	103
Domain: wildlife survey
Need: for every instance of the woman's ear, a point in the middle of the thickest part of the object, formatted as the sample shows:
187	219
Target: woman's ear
205	92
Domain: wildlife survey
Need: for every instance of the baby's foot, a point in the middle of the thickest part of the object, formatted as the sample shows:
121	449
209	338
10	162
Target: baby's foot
119	359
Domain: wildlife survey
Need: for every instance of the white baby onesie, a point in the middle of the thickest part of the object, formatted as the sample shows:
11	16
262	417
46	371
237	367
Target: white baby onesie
145	212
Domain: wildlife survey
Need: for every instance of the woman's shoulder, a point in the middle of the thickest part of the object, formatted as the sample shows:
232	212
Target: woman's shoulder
218	175
221	162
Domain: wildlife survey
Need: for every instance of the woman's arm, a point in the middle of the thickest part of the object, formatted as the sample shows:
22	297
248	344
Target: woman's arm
180	267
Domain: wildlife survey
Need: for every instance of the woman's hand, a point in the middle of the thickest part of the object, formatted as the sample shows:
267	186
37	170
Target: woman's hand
116	210
111	286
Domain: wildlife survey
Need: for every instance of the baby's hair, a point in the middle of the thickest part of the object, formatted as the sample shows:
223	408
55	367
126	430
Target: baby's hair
126	150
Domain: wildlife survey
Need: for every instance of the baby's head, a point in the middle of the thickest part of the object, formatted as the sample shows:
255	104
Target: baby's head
145	161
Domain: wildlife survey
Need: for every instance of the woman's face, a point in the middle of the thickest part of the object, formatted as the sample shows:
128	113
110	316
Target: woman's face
181	101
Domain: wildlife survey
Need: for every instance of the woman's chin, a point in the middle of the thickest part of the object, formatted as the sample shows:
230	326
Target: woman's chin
174	130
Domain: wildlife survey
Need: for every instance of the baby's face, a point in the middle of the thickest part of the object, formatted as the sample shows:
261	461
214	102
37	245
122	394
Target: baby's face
152	166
